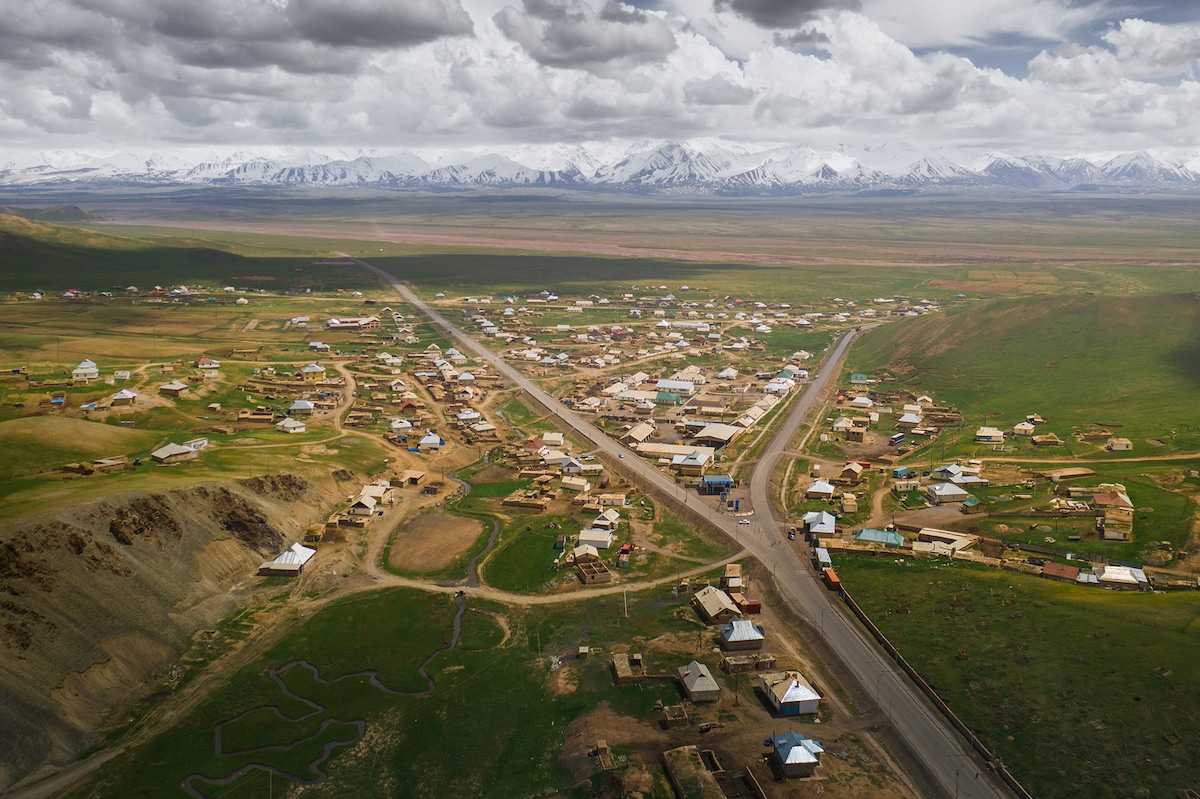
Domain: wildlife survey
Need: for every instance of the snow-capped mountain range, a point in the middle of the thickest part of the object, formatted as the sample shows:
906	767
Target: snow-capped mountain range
698	167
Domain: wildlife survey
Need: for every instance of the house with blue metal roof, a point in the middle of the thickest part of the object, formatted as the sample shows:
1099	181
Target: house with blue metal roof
795	755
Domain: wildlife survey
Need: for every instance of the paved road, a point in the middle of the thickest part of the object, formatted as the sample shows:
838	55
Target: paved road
945	757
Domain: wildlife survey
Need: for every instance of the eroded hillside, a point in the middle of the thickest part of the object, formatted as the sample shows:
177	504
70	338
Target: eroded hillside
96	598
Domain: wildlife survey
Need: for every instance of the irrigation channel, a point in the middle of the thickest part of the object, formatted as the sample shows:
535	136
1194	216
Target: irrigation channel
358	727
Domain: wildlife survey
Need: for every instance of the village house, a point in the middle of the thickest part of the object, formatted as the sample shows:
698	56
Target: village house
714	605
577	484
698	683
290	563
288	425
795	755
124	397
789	693
819	489
430	442
362	506
989	435
945	493
1119	445
598	537
175	388
174	453
301	407
741	634
312	373
85	371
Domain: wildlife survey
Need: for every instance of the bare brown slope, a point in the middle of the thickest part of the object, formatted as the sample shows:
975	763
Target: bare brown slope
96	598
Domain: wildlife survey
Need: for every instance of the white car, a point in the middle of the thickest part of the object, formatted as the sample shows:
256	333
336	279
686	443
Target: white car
743	521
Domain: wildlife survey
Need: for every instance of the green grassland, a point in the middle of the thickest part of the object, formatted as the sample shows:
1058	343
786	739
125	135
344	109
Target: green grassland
1082	692
1132	363
490	728
40	256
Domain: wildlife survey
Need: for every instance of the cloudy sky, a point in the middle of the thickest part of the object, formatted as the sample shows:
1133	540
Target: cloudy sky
1022	75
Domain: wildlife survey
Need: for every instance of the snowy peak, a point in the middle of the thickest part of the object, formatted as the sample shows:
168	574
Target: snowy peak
698	166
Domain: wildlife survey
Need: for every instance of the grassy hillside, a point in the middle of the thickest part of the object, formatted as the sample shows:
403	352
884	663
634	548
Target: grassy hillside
37	442
1131	360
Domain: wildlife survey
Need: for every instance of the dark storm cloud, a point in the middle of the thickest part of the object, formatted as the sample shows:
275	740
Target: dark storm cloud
383	23
570	34
783	13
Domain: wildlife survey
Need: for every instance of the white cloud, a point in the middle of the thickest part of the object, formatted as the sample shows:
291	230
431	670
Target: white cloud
378	73
955	23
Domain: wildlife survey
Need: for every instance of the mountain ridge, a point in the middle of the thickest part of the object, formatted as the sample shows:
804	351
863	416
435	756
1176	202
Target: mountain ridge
699	167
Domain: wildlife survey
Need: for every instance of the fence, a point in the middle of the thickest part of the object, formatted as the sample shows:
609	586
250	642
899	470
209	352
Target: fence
993	761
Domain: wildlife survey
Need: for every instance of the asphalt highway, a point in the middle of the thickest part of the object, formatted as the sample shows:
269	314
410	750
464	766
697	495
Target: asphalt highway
947	760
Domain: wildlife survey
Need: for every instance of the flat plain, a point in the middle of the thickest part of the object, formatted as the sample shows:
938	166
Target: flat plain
1081	309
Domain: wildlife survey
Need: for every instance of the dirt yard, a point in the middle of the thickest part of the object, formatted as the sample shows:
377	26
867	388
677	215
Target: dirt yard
432	541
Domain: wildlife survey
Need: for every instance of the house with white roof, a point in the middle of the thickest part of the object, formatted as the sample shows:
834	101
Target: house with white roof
363	505
288	425
597	537
430	442
945	493
789	693
86	370
819	489
174	453
820	522
989	435
289	563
